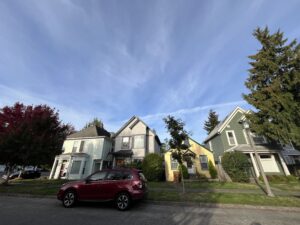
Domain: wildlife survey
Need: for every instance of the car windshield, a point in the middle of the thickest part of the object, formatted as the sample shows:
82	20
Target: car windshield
98	176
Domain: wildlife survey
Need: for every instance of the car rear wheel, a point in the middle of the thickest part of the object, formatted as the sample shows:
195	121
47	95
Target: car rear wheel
123	201
69	199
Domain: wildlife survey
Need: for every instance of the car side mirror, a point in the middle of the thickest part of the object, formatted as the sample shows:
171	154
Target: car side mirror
87	180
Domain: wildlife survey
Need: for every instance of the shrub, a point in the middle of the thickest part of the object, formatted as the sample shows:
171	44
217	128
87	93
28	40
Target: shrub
152	167
212	170
136	165
236	166
184	171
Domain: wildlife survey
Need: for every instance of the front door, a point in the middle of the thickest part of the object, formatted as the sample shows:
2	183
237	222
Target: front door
93	189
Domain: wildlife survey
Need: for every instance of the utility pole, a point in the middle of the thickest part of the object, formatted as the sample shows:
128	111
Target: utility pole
261	170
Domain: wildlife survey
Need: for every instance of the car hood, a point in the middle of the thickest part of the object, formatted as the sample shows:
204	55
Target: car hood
73	183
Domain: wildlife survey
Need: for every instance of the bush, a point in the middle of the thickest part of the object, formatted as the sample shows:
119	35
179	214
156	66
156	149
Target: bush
184	171
212	170
236	166
152	167
136	165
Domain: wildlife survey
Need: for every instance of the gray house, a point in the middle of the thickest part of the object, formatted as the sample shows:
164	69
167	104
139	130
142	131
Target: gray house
133	141
230	135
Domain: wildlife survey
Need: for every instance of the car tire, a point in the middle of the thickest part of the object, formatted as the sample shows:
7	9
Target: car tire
69	199
123	201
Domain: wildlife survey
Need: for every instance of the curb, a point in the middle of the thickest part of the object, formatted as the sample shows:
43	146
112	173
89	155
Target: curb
182	204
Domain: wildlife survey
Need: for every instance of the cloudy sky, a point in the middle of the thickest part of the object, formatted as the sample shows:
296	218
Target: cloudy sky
115	59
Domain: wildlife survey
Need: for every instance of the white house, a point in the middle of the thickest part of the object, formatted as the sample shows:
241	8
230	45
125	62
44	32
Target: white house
133	141
84	152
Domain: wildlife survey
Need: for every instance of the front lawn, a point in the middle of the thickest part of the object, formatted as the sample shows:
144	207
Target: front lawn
218	192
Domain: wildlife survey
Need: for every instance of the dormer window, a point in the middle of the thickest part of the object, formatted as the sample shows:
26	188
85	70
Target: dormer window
125	143
231	137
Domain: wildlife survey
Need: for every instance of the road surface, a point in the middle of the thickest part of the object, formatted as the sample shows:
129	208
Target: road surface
45	211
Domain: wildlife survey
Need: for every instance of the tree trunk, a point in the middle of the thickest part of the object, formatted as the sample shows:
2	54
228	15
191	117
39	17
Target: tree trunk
7	176
182	179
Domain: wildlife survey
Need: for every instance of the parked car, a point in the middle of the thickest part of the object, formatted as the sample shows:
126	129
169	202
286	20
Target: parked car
27	174
119	185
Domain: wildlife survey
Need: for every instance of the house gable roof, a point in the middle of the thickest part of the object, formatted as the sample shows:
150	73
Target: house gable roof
92	131
200	144
222	125
135	123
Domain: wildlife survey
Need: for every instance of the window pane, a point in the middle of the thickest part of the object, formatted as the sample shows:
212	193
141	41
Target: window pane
174	164
98	176
125	143
230	137
114	175
139	141
75	167
203	162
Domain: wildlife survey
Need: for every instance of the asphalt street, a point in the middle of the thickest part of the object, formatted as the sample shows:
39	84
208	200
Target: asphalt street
44	211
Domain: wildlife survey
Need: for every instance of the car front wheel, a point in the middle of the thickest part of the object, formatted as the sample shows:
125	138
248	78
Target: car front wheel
123	201
69	199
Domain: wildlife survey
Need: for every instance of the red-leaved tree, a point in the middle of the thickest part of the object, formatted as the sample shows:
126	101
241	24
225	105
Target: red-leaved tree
30	135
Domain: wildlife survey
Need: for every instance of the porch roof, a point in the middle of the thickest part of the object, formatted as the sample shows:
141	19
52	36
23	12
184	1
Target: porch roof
123	153
259	148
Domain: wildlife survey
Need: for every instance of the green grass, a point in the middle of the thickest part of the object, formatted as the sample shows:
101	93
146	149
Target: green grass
164	191
220	185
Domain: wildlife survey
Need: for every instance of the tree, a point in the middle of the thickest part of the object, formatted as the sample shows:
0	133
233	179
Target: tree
152	167
274	84
30	135
212	121
177	142
95	122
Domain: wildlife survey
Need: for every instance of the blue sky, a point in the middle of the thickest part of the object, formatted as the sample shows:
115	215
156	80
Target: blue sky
116	59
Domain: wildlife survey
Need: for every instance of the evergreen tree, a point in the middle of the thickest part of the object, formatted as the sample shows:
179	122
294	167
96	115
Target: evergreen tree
212	121
95	122
274	84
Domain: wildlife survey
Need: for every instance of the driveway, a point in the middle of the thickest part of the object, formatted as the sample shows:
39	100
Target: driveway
44	211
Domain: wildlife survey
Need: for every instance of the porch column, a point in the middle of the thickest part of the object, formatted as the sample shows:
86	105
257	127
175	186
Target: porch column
254	164
55	163
57	170
285	169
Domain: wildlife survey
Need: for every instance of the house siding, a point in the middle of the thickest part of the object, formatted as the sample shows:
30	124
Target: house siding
217	147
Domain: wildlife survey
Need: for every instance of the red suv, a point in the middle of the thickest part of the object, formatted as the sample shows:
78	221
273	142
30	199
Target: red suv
119	185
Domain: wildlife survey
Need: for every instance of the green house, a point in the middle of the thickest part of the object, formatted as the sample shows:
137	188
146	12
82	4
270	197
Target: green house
231	135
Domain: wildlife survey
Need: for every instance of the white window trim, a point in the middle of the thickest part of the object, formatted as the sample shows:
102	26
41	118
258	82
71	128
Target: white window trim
234	137
129	142
210	146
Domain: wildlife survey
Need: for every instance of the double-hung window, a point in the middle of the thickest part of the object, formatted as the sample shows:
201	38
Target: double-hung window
174	164
203	162
231	137
139	141
125	143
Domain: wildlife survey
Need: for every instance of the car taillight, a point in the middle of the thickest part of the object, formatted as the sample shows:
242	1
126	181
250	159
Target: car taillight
137	185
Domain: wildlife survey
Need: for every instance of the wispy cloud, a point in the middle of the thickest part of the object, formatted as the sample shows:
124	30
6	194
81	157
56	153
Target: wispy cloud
191	110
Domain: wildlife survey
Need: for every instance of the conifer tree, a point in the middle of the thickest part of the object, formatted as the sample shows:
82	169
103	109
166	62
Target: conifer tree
274	84
212	121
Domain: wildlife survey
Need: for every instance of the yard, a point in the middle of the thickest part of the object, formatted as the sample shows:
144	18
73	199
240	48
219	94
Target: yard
287	193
